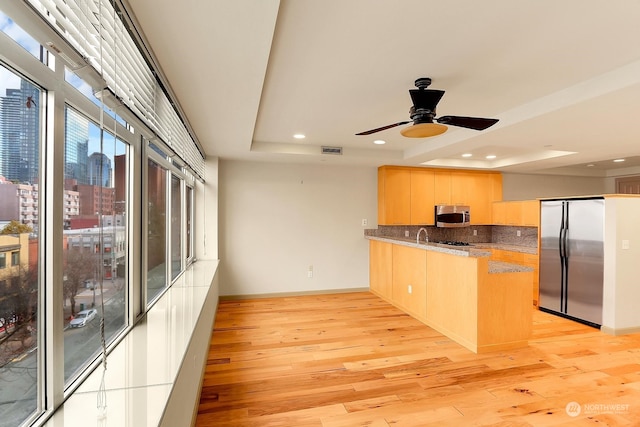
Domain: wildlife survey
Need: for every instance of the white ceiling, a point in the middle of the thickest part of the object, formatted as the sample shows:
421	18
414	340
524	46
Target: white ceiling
563	77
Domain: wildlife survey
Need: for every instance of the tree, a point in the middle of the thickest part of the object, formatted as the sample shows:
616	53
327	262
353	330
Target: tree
18	311
15	227
80	266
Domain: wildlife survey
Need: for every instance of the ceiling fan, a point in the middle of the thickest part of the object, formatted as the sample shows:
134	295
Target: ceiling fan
423	111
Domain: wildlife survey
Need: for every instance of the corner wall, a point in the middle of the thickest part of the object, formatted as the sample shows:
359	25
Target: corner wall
532	186
280	221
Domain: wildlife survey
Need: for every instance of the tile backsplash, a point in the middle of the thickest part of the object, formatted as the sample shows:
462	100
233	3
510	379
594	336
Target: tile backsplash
483	234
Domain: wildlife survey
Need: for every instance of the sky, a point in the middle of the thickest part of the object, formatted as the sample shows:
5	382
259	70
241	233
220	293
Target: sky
9	80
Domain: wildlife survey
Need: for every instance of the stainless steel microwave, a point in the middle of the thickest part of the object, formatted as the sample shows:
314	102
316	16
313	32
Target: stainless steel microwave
452	216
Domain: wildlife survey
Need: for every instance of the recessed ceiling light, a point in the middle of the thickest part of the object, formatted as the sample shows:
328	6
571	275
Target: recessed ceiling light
299	136
379	142
590	165
467	155
618	160
490	157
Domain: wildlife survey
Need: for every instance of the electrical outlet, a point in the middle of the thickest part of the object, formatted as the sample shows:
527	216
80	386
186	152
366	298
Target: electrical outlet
310	272
406	233
625	244
364	222
475	232
518	233
409	289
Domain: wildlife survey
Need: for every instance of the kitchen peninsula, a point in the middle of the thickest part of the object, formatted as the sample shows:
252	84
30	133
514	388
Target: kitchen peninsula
481	304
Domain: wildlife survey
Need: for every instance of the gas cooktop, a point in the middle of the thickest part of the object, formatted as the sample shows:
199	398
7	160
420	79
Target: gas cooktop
453	243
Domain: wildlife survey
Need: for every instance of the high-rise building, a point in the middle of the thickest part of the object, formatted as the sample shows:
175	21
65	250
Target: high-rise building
76	147
19	133
99	169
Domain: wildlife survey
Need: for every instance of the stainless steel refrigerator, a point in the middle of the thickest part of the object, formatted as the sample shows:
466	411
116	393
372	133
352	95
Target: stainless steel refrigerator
572	258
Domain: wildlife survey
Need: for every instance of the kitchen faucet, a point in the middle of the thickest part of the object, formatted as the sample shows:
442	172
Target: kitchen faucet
426	236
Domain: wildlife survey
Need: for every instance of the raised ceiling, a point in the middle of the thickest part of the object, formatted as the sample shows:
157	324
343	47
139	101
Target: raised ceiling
562	77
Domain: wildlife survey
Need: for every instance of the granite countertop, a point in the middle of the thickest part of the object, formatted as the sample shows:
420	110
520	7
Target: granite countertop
468	251
475	251
507	267
507	247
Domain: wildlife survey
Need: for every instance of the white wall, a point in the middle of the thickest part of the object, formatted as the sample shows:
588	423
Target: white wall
205	233
621	283
277	220
530	186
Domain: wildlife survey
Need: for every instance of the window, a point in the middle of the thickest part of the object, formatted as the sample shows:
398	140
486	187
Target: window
21	107
189	219
176	226
21	37
95	170
156	230
90	220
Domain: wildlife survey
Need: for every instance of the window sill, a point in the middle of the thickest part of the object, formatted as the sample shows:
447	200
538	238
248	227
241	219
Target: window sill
154	374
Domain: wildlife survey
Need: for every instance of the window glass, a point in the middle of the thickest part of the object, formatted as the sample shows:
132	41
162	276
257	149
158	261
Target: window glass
176	226
189	219
157	230
20	144
95	239
21	37
77	82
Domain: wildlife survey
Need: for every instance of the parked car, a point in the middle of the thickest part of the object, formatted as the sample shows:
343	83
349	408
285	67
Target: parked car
83	317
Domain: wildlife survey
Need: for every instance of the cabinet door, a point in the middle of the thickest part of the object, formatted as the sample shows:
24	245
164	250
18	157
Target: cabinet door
410	280
531	213
480	199
514	213
422	202
394	196
442	187
499	213
461	191
380	264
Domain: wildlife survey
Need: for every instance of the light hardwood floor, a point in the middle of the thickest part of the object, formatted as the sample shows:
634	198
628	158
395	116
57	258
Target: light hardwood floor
354	360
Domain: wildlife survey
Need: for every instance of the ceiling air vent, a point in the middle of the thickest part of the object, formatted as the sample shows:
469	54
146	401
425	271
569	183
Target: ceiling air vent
332	150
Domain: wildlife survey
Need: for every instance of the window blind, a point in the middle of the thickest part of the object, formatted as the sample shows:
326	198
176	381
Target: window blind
96	31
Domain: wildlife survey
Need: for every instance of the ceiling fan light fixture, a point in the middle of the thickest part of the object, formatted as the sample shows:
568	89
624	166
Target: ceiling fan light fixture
423	130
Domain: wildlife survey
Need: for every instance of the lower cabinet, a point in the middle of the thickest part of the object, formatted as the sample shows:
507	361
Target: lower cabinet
530	260
456	295
409	280
380	256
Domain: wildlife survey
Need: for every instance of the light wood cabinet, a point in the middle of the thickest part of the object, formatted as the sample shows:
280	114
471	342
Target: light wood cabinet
422	201
516	213
529	260
531	213
409	278
455	295
407	196
394	195
442	187
380	265
533	261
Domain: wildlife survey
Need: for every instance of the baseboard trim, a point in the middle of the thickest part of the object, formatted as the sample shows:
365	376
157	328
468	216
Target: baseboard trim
619	331
292	294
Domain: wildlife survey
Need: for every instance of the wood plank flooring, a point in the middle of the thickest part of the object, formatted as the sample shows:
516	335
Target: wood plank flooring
354	360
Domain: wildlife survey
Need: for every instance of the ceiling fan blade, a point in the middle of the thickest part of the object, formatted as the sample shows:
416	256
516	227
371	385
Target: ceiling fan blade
426	98
477	123
369	132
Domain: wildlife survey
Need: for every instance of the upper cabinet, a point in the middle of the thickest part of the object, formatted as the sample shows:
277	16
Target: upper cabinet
423	188
394	195
422	201
517	213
